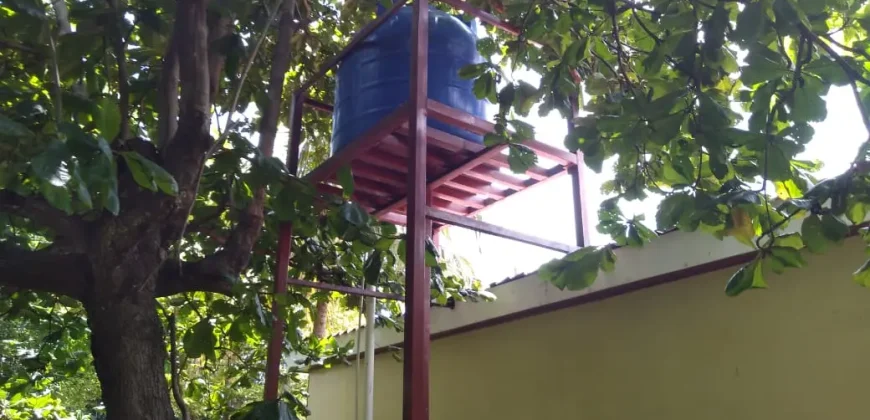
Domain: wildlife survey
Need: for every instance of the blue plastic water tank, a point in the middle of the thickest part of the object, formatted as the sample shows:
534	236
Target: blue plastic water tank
374	79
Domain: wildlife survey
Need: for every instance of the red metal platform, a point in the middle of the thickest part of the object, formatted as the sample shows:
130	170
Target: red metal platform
464	177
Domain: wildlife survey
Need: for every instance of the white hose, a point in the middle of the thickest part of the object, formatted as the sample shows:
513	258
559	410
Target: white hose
370	357
356	369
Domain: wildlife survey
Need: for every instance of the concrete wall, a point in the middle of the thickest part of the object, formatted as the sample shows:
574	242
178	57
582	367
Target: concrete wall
681	350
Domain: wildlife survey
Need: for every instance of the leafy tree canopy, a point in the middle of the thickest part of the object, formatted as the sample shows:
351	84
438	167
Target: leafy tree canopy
136	172
664	86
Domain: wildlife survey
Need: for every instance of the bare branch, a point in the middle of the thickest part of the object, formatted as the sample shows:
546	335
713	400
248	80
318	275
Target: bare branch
851	72
229	125
168	95
209	275
42	213
184	155
14	45
44	271
219	27
173	369
56	89
61	14
861	107
119	46
247	230
852	50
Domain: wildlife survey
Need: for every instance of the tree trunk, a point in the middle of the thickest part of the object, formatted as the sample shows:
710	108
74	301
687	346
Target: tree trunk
129	356
321	318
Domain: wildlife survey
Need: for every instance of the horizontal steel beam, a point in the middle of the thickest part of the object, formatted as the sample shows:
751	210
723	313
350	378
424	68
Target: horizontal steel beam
491	229
355	291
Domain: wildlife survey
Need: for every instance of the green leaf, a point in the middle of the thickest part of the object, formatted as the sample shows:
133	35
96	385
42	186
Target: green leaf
750	22
47	164
484	87
713	114
58	197
828	70
813	234
372	267
431	253
199	340
856	212
808	104
345	179
672	209
834	229
748	276
492	139
862	275
402	250
354	214
521	158
718	162
741	226
472	71
598	84
84	195
109	118
778	163
524	98
761	67
577	51
284	203
667	128
384	244
579	269
11	128
113	203
150	175
786	257
792	240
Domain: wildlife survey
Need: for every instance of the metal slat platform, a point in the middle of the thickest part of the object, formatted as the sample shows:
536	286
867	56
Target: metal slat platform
464	178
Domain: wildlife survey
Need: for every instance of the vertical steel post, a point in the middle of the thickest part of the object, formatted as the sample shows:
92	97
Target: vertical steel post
415	402
581	227
285	238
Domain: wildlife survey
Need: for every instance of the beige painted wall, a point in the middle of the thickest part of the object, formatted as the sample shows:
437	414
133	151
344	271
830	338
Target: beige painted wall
683	350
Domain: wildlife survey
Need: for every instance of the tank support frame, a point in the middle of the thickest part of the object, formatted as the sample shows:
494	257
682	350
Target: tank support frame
411	174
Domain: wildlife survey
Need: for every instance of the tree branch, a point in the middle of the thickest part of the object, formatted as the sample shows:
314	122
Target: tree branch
851	72
184	156
219	27
235	102
852	50
39	211
173	369
14	45
45	270
61	13
167	105
247	230
211	274
119	48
